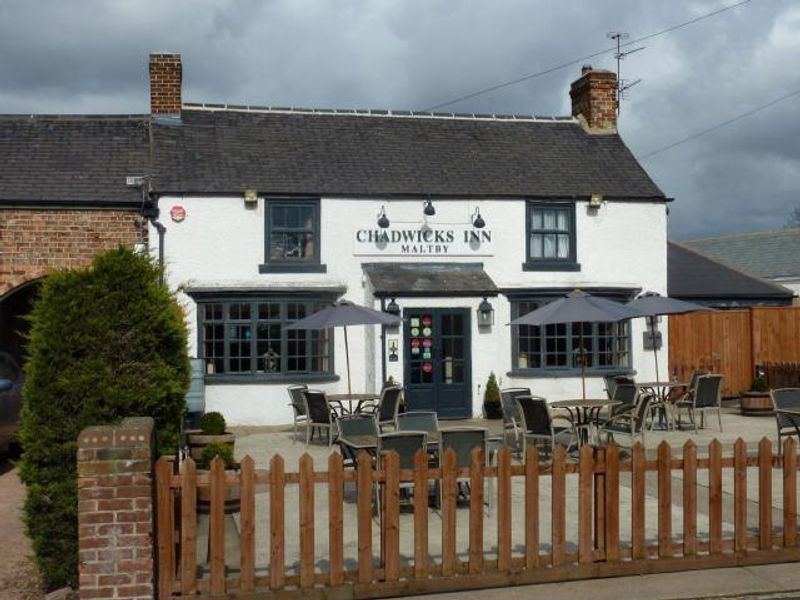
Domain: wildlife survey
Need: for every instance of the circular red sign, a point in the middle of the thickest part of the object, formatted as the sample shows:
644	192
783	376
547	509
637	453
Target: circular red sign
177	213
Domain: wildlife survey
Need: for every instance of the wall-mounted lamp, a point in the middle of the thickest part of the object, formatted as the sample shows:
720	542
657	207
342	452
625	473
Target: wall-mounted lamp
477	219
383	220
393	308
596	201
250	198
429	210
485	314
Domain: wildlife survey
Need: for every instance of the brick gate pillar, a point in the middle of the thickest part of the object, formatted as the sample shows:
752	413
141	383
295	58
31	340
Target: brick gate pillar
116	510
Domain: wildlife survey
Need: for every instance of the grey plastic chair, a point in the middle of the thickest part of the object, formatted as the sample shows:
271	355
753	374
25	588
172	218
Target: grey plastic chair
612	381
462	440
631	423
625	394
512	420
320	415
388	406
406	444
788	423
538	428
298	405
418	420
706	396
355	425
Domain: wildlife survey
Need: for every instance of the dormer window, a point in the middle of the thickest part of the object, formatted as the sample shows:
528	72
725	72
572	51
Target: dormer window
292	236
551	244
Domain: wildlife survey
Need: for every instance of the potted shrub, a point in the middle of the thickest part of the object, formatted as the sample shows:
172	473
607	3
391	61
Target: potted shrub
756	401
212	431
232	494
492	408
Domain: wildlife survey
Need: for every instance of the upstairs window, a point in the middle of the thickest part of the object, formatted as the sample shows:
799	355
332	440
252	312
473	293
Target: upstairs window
551	244
292	236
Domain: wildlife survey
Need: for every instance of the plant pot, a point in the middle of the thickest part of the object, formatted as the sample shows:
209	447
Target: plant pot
492	410
197	441
233	496
755	403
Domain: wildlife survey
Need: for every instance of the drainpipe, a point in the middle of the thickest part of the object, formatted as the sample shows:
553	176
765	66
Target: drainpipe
151	213
383	345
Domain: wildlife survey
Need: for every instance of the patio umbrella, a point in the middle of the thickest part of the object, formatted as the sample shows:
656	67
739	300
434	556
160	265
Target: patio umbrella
343	314
579	307
653	304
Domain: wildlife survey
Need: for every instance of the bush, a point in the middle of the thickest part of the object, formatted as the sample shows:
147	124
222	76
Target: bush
106	342
491	395
224	451
759	384
212	423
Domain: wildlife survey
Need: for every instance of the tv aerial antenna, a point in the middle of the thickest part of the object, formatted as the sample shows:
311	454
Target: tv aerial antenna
623	85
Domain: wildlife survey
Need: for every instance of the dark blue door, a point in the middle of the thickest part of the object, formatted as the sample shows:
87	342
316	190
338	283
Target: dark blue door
437	361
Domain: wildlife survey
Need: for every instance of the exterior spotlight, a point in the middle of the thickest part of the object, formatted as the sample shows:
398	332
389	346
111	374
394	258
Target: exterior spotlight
393	308
477	220
383	220
429	210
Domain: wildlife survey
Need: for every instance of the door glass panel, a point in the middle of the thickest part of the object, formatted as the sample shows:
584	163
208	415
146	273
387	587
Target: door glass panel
421	348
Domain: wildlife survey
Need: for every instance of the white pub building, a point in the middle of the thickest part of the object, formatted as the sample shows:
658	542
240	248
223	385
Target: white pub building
456	222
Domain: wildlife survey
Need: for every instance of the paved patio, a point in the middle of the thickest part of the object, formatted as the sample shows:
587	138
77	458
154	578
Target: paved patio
262	443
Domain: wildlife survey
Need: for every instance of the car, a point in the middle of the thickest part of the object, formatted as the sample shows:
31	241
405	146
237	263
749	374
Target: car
11	380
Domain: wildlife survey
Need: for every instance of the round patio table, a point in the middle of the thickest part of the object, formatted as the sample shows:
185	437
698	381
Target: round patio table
583	413
662	392
359	399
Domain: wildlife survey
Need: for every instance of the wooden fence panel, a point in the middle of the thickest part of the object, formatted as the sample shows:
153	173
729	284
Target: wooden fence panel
733	342
727	474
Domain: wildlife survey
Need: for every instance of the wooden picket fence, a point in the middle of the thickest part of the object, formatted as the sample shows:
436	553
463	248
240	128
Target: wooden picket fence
598	551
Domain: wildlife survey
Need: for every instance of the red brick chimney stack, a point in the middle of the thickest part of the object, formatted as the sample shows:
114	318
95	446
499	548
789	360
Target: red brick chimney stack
166	75
594	99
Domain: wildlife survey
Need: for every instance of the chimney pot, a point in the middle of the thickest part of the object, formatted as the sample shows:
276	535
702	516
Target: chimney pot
594	99
166	75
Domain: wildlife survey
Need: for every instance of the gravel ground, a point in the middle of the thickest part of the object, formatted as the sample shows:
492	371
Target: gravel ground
18	577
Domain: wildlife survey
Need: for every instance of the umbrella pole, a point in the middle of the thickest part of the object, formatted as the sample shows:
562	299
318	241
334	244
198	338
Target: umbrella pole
583	366
347	357
655	350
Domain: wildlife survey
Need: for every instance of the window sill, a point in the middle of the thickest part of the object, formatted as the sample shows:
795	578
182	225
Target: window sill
262	379
556	373
291	268
551	266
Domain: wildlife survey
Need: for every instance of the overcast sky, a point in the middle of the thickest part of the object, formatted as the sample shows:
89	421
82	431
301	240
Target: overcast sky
91	56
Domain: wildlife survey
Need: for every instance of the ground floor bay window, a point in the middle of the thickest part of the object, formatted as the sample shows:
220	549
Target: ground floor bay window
246	338
554	349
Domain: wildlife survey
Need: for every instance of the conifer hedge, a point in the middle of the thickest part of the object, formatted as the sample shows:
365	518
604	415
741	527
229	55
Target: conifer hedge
106	342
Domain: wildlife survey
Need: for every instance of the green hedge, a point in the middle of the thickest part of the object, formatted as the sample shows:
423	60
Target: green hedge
106	342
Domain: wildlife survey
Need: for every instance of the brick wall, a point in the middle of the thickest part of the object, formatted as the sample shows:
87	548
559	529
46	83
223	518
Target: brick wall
32	242
166	74
594	98
115	511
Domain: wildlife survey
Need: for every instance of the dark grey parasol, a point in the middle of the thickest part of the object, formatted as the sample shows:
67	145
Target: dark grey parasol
344	314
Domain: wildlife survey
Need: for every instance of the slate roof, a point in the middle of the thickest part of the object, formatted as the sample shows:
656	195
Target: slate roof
771	254
291	152
425	279
295	152
72	159
694	276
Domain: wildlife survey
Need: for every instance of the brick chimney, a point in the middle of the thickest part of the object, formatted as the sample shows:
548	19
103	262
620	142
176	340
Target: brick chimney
594	99
166	74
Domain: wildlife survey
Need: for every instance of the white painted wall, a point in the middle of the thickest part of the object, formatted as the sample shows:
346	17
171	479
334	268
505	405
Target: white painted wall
220	244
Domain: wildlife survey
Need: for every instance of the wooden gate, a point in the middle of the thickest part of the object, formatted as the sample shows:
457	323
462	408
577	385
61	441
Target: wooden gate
610	513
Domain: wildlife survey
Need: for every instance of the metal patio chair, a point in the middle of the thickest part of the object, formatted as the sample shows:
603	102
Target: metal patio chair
538	428
387	408
320	415
462	440
298	404
612	381
418	420
783	401
406	444
631	423
512	420
350	426
706	396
